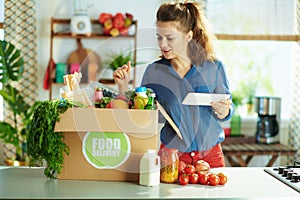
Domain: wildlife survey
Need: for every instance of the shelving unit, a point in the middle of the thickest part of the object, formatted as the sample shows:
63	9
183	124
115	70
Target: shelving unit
97	35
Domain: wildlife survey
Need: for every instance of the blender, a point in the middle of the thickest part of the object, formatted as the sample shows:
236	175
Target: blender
80	21
268	124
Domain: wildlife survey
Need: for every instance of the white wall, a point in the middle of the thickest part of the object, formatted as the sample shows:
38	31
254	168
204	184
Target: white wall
143	11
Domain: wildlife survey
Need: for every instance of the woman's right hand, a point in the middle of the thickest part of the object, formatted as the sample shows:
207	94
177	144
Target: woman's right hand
122	76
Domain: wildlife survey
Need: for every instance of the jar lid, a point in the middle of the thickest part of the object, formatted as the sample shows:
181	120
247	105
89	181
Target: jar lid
150	151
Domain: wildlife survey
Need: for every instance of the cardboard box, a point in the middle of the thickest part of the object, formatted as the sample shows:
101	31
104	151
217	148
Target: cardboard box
106	144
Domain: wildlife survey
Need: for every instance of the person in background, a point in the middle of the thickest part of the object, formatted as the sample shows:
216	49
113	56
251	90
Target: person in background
187	64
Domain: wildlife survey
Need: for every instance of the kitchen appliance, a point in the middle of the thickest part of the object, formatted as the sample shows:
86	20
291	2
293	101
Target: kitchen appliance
268	124
80	21
290	175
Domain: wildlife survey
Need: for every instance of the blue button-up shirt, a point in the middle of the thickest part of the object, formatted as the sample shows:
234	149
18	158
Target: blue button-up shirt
198	125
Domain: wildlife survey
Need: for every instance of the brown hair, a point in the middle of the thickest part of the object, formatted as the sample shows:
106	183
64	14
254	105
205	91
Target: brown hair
191	17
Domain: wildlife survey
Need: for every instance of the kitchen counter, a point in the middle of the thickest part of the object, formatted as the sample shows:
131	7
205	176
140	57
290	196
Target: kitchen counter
243	183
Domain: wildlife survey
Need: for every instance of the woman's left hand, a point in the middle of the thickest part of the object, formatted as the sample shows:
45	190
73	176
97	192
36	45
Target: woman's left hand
221	108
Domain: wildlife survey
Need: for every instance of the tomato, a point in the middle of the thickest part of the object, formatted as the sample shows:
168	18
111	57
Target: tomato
189	169
201	165
193	178
203	177
184	179
223	178
213	179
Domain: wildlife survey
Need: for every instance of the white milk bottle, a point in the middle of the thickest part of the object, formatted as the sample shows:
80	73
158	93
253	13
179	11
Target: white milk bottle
150	168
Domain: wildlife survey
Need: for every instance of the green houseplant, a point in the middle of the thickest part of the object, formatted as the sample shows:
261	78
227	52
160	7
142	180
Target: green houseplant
11	70
118	59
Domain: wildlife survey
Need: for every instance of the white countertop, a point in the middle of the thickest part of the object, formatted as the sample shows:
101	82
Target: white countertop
243	183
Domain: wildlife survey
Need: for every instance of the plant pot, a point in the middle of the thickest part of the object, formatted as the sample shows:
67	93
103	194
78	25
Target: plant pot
250	108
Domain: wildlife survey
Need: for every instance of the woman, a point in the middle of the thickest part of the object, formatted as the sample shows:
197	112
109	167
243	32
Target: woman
187	64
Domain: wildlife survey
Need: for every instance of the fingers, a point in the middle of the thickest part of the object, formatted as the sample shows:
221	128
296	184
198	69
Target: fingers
122	72
128	66
221	108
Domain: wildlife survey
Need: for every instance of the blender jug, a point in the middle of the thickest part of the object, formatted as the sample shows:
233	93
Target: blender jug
80	21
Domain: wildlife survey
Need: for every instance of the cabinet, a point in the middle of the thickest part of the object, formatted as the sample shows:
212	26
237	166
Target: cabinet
60	30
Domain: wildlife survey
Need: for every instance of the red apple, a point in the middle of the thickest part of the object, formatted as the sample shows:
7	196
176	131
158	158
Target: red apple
124	31
119	16
118	22
201	165
104	16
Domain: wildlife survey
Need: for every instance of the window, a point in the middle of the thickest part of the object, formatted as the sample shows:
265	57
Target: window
258	45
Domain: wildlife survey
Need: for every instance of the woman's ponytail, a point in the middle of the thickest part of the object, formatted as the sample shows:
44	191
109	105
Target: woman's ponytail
201	46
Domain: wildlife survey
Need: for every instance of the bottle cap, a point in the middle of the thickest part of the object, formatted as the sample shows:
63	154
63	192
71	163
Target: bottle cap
141	89
152	94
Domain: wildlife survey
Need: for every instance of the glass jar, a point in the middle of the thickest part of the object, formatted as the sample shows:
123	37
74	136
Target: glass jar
169	165
98	95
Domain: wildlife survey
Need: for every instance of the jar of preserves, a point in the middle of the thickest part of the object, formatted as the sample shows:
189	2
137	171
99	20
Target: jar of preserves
169	165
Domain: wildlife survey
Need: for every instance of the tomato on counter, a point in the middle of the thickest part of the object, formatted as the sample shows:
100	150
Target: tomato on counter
184	179
203	178
193	178
213	179
199	173
189	169
223	178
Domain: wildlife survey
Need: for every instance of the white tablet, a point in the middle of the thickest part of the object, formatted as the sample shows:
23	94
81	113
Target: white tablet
203	99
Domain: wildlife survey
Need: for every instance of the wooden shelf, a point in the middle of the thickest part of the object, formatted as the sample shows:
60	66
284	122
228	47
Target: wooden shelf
94	35
60	29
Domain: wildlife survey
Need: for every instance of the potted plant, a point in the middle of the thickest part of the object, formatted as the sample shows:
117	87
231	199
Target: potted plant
249	90
11	70
115	60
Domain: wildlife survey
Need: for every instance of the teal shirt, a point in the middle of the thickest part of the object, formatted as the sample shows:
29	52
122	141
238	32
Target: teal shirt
198	125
